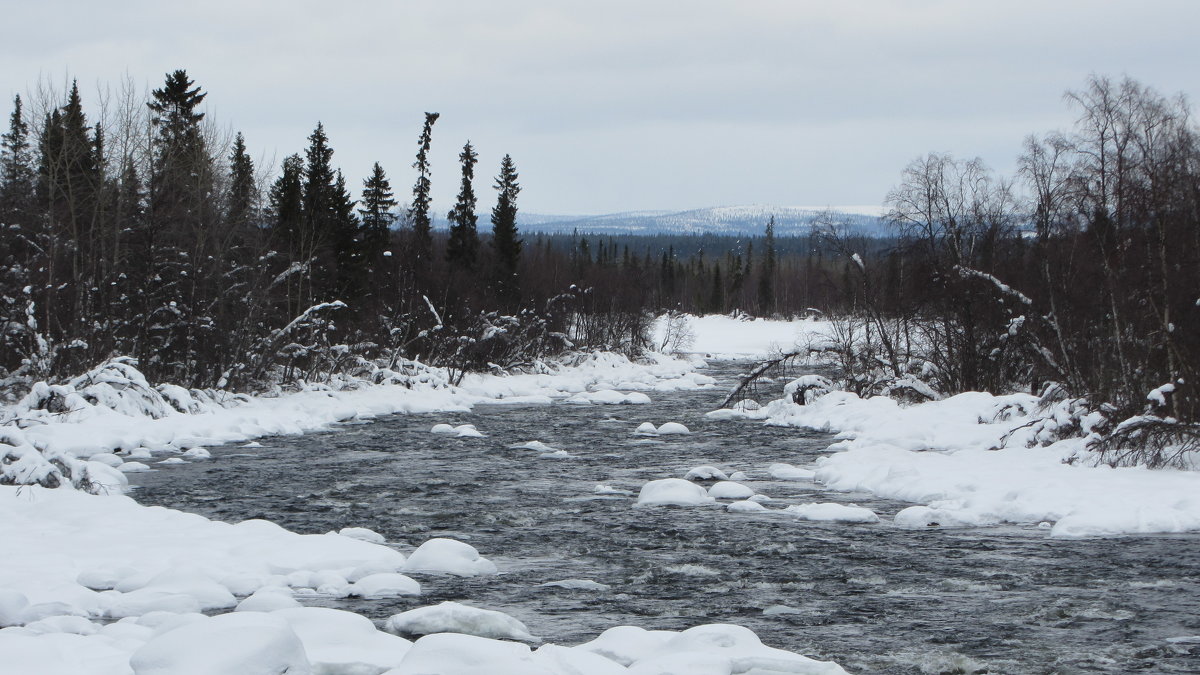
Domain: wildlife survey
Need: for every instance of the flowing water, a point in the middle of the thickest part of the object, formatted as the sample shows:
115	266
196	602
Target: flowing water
874	598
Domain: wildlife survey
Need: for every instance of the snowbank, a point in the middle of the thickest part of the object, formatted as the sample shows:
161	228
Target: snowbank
724	337
951	457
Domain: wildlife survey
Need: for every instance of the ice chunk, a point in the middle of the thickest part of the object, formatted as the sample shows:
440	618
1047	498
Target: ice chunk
610	490
448	556
840	513
453	617
533	445
728	489
672	491
705	472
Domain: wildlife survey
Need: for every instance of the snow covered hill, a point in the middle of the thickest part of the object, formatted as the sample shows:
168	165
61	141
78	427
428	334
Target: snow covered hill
733	220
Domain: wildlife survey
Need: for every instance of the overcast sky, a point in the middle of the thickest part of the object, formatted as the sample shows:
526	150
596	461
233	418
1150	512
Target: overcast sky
608	105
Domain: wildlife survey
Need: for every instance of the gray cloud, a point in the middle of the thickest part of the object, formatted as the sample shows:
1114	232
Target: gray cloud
626	105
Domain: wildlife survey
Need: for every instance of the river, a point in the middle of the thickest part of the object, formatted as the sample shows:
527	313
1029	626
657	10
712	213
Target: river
874	598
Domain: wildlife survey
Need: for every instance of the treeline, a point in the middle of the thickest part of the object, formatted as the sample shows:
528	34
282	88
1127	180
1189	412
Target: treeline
1080	276
144	231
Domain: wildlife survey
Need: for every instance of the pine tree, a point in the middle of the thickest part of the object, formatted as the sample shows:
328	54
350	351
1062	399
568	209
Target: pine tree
243	194
766	279
505	240
351	267
716	298
462	249
418	212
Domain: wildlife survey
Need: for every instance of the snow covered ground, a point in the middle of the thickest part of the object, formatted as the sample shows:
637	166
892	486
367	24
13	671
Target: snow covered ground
99	584
96	583
724	337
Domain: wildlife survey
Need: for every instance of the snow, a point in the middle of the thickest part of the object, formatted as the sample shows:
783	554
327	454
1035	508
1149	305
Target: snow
745	506
578	585
728	489
718	336
672	491
453	617
705	472
949	458
384	585
672	428
646	429
830	512
782	471
247	643
448	556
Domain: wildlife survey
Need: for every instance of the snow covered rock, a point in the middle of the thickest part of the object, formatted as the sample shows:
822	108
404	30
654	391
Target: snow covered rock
578	585
807	388
246	643
133	467
728	489
672	491
442	429
268	599
467	431
455	654
453	617
705	472
646	429
197	453
830	512
384	585
448	556
916	517
746	506
781	471
362	534
672	428
343	642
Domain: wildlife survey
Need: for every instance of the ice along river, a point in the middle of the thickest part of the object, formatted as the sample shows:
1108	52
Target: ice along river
874	598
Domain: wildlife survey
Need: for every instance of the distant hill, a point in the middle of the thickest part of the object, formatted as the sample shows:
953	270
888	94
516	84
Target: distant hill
730	220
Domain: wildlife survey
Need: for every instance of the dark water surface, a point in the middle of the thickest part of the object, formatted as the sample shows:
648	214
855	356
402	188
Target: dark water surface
874	598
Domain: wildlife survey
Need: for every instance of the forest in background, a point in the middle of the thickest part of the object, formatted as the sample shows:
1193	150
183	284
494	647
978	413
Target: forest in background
141	229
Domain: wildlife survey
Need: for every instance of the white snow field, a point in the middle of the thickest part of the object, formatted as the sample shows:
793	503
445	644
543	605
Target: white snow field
724	337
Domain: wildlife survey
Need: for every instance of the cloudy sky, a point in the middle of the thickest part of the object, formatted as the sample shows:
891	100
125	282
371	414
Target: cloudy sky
616	106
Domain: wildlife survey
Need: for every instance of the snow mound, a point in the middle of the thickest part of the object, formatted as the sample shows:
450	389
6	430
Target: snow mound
268	599
384	585
533	445
672	491
609	397
362	534
671	428
610	490
578	585
133	467
831	512
467	431
646	429
781	471
247	643
442	429
915	517
705	472
728	489
453	617
173	461
746	506
198	453
343	642
448	556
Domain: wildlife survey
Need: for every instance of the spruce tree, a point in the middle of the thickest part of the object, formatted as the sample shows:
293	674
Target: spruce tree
181	177
766	279
462	248
17	175
716	298
243	194
376	211
287	206
418	212
504	227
